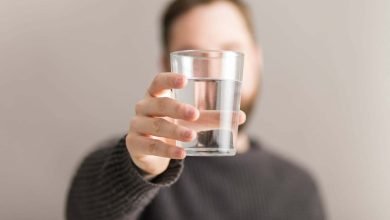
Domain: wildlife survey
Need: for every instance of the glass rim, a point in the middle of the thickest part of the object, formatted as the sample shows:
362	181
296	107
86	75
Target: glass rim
192	53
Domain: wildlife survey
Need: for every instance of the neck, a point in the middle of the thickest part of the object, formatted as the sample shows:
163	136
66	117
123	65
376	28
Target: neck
243	143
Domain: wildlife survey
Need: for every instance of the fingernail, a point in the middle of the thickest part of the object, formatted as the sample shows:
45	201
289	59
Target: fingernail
186	133
179	153
179	81
190	112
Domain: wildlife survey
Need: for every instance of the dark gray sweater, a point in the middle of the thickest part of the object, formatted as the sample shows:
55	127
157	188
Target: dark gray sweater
255	185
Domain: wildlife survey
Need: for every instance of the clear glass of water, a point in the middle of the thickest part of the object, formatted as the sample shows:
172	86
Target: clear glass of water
214	87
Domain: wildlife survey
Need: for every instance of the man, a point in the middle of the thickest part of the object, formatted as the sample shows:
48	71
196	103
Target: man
144	177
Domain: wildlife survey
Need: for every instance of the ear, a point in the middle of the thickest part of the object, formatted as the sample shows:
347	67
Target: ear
164	62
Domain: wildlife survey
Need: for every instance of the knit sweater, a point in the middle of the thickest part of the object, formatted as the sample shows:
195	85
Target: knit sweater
257	184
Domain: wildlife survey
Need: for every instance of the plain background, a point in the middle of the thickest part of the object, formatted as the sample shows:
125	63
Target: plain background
71	70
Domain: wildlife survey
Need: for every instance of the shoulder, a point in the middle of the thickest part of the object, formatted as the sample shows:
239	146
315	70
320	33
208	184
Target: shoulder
283	170
292	185
286	177
286	169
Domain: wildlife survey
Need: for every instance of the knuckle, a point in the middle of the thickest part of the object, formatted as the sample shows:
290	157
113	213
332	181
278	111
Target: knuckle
168	152
177	131
153	147
158	124
160	104
129	140
138	107
133	123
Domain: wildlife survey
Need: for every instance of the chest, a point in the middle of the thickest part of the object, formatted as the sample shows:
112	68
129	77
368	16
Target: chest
213	192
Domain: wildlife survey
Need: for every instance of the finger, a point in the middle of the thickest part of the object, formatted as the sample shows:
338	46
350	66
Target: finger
149	146
211	119
161	128
241	117
165	81
164	106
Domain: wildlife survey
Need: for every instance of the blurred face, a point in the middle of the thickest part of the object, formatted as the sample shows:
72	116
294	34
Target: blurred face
220	26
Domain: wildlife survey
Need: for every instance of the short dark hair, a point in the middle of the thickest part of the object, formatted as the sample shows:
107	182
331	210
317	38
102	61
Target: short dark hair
179	7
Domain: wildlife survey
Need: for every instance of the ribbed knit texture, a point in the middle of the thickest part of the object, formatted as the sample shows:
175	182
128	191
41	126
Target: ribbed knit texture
254	185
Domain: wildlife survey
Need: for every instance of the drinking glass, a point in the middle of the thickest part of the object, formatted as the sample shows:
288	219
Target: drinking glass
214	87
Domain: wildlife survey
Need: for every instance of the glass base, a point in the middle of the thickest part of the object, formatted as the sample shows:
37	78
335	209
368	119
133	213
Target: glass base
204	151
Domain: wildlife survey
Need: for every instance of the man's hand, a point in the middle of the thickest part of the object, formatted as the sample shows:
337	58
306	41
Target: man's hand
151	140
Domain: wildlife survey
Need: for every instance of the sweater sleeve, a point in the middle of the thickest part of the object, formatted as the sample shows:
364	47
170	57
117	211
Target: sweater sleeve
108	185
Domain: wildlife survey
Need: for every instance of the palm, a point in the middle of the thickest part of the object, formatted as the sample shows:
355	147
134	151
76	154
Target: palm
151	164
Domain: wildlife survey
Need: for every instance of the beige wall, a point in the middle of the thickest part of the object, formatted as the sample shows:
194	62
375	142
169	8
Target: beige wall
70	71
